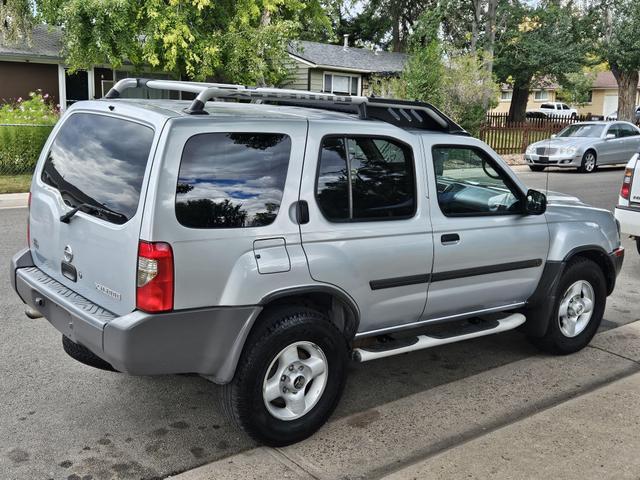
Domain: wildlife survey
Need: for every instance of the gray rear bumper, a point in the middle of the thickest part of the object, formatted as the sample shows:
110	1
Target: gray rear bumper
206	341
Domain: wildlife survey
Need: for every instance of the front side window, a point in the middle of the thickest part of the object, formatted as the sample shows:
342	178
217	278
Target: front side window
365	178
98	162
468	184
232	180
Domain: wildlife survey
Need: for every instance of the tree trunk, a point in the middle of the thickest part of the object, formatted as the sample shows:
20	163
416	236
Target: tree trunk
475	25
518	107
627	90
492	9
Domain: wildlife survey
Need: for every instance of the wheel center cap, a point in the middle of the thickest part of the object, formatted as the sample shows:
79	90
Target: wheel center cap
299	382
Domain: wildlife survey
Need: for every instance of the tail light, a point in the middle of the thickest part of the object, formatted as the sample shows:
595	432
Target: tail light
154	291
625	191
29	221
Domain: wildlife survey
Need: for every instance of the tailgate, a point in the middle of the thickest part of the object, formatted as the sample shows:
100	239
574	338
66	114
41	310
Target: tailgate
97	163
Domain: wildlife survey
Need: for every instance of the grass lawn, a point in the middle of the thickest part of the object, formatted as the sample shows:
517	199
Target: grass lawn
14	183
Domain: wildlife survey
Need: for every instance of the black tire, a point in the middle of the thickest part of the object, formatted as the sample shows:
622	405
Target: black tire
638	244
587	166
537	168
84	355
243	397
556	342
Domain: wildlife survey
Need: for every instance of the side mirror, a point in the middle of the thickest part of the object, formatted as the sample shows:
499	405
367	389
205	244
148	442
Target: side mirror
610	136
536	203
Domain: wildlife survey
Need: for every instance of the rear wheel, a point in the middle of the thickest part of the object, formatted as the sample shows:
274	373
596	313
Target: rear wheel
537	168
589	162
638	244
290	377
578	310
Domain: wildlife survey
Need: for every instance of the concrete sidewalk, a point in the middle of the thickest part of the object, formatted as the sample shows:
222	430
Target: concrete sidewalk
559	417
592	436
13	200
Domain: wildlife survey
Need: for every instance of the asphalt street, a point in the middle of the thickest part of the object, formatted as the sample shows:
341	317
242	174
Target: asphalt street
61	419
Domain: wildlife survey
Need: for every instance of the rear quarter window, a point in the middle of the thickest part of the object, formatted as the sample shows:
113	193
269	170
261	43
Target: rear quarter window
232	180
99	161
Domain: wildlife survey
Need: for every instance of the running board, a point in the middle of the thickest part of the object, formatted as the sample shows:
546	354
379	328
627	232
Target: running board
423	341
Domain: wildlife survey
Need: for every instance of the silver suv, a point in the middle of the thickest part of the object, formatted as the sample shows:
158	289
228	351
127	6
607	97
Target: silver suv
266	238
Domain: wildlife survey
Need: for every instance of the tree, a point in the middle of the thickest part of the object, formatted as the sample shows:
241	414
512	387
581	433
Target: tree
16	20
243	42
576	89
537	44
617	24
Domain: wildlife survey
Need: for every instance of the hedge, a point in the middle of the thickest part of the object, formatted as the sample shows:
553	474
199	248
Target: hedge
20	147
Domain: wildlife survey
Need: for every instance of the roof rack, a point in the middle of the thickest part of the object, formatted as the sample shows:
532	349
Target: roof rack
401	113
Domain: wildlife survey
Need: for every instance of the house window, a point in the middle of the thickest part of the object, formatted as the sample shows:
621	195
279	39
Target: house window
506	95
341	84
541	95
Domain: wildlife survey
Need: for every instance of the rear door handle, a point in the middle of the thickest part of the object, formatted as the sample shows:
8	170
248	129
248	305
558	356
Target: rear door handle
450	239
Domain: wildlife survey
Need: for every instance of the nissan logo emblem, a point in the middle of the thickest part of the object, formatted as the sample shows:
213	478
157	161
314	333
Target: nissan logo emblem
68	254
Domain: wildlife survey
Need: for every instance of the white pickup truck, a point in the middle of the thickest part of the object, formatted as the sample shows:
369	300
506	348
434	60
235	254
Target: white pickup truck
558	109
628	208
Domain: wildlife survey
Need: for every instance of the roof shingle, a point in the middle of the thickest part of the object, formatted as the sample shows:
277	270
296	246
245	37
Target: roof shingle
46	42
351	58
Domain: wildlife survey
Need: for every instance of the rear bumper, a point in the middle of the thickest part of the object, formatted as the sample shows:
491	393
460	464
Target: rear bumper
207	341
629	218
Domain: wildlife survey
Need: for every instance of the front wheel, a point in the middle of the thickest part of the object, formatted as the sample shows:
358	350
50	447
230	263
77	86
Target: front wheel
589	162
638	244
290	376
578	310
537	168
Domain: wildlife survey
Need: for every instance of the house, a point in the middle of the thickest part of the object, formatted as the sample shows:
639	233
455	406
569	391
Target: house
603	101
314	66
25	68
340	69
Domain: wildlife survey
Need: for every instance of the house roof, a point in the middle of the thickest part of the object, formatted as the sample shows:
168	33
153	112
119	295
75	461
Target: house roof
46	42
606	80
351	58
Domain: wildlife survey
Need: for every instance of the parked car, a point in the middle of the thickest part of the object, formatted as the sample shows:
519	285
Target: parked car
628	209
614	115
585	146
263	245
558	109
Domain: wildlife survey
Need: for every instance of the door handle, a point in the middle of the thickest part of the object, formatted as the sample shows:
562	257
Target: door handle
450	239
302	212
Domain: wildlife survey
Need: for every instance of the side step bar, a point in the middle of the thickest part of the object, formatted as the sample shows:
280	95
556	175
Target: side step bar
424	341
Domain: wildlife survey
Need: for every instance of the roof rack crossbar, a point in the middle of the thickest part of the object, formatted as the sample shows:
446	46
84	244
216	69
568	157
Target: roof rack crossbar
403	113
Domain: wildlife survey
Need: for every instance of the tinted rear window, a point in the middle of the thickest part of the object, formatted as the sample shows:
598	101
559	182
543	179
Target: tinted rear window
232	180
99	161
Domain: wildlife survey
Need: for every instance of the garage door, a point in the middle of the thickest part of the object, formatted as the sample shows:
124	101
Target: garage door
610	104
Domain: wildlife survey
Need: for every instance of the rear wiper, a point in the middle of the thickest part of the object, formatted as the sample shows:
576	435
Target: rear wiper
92	208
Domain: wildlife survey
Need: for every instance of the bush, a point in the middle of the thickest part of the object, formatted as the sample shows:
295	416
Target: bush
24	128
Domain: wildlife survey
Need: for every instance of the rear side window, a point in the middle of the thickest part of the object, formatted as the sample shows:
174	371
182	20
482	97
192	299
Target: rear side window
232	180
365	178
98	162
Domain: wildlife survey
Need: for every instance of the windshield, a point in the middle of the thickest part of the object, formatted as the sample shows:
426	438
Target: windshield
97	163
582	130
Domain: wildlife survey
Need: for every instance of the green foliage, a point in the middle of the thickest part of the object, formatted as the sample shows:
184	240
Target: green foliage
467	85
616	28
16	20
241	41
577	86
20	145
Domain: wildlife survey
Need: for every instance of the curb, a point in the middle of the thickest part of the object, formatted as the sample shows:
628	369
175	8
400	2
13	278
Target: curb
394	436
14	200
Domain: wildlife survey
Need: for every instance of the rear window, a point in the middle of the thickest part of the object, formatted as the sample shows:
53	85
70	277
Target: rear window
99	161
232	180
